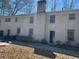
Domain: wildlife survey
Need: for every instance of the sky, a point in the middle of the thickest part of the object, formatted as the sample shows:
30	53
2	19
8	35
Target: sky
49	5
60	5
48	9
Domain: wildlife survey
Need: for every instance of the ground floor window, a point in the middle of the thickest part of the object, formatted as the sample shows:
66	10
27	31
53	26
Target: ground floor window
1	33
71	35
31	32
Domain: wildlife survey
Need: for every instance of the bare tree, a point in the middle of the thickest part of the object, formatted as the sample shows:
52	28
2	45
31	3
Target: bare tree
4	6
72	4
53	5
29	5
69	4
65	4
11	7
16	6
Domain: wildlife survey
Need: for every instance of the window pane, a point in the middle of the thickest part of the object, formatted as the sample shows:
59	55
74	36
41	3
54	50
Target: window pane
52	19
7	19
71	16
31	19
30	31
1	33
70	34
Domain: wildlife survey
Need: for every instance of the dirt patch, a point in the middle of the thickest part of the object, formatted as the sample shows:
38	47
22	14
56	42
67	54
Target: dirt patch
23	52
15	52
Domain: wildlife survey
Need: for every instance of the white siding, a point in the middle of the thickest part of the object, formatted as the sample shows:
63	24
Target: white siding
42	25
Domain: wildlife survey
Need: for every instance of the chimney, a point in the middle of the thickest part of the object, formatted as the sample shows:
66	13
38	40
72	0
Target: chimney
41	6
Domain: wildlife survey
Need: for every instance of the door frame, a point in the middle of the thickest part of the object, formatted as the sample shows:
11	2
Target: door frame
51	36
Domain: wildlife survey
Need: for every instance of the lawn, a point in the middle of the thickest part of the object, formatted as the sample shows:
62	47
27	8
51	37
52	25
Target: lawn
13	51
18	52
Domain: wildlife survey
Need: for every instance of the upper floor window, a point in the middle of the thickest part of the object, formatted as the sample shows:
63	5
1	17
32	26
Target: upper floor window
70	34
16	19
72	16
7	19
31	32
52	19
31	19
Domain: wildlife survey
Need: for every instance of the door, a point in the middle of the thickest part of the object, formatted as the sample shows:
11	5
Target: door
30	32
18	31
8	35
8	32
52	36
1	35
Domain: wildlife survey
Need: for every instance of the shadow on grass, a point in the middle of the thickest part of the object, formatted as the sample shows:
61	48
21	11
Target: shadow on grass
49	53
38	51
43	52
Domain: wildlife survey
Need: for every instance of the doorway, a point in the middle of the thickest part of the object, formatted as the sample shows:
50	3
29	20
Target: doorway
52	36
8	32
8	35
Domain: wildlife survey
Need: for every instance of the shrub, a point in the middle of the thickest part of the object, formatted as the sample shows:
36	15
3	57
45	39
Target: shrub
58	43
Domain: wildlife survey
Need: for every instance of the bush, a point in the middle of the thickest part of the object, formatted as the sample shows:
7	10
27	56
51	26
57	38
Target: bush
58	43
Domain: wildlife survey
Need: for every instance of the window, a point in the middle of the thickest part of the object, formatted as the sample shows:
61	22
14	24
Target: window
31	19
0	20
7	19
31	32
18	30
16	19
71	16
71	35
52	19
1	33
